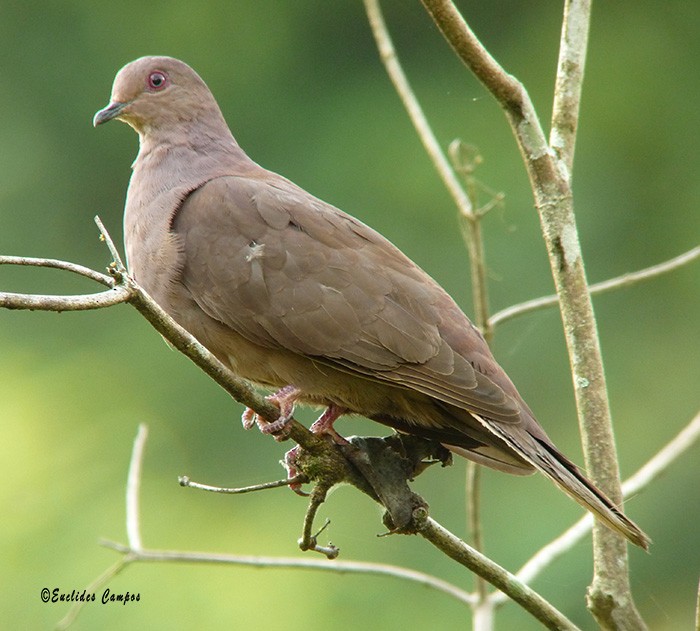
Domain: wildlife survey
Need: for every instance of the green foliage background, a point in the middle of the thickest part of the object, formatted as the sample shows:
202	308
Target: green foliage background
302	88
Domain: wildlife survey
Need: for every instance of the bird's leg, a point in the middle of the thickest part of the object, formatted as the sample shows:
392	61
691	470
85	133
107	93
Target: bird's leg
322	425
285	399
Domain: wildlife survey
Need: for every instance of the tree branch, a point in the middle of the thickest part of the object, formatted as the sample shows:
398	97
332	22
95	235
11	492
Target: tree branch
133	487
262	562
185	481
626	280
610	598
465	199
567	91
388	56
39	302
57	264
503	580
85	302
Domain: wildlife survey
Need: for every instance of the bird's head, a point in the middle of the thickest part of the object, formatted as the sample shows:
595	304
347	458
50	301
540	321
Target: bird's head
153	93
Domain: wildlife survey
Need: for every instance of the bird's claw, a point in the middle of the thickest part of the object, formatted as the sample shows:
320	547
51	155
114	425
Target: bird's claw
290	464
249	418
284	399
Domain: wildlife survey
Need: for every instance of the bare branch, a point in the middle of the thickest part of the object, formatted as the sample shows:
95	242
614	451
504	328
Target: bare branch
133	486
85	302
102	580
465	160
297	479
567	92
39	302
58	264
262	562
105	236
550	180
496	575
309	541
420	122
631	278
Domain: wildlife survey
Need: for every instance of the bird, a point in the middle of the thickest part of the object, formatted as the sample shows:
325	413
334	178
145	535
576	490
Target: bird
299	297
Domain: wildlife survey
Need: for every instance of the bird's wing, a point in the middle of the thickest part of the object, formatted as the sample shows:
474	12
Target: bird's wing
284	269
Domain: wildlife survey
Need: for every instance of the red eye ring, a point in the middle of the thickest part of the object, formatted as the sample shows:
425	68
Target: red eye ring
157	80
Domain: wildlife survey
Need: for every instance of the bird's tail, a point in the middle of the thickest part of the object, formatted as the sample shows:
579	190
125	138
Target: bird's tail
546	458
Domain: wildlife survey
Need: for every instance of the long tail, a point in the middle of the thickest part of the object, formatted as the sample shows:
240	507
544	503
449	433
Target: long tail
546	458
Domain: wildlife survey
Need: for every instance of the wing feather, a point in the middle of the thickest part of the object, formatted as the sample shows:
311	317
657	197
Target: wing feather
290	271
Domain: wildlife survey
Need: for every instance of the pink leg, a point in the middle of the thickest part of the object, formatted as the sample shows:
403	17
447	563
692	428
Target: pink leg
284	399
324	423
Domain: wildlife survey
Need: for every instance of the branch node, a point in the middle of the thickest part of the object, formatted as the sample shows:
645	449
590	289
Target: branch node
309	541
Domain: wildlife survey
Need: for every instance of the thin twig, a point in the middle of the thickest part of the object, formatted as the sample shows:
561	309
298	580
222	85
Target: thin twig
46	302
550	179
184	480
133	486
84	302
567	92
618	282
465	160
473	491
58	264
665	457
307	540
420	122
465	204
262	562
102	580
104	235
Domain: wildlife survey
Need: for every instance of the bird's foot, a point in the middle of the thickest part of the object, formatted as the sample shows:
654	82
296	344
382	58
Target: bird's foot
290	464
284	399
322	425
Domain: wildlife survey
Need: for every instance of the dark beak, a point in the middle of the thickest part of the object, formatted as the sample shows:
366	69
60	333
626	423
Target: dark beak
108	113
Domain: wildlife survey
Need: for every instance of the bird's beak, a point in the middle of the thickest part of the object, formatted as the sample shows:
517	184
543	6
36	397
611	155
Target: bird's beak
108	113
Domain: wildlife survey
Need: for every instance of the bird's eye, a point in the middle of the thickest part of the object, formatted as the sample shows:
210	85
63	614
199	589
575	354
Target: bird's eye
157	80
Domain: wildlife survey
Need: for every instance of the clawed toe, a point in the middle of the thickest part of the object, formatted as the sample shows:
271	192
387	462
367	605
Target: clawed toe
290	464
284	399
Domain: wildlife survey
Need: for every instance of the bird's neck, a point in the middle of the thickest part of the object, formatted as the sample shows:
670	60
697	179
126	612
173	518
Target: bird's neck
187	159
166	170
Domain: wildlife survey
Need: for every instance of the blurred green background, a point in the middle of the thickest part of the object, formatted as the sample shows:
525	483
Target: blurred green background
305	94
